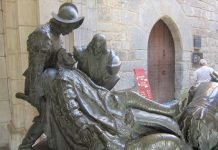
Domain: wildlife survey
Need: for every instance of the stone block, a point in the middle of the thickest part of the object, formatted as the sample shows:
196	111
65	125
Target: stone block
91	4
1	22
5	135
83	10
45	9
24	31
182	66
116	45
27	12
5	113
129	18
138	38
15	140
10	14
116	15
123	84
14	67
82	36
102	2
24	62
128	66
90	19
12	41
138	55
106	27
107	14
125	45
32	112
115	3
83	2
2	47
4	89
123	55
109	36
18	115
14	87
133	5
119	36
186	56
3	73
0	4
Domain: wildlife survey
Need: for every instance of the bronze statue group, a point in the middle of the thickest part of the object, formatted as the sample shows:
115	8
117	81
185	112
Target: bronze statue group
77	110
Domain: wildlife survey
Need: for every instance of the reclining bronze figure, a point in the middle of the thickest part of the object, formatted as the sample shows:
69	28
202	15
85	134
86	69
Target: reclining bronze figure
199	120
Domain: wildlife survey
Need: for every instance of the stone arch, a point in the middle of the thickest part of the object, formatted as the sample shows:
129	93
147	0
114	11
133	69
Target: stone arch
172	14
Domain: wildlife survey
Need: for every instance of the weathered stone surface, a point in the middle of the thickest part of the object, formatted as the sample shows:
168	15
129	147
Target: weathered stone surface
12	41
123	55
116	3
105	27
18	115
123	84
107	14
45	9
0	4
138	55
28	11
186	56
32	112
15	140
10	14
15	86
2	46
5	112
1	21
14	67
129	18
181	66
128	66
4	90
116	15
3	73
5	135
115	44
102	2
24	62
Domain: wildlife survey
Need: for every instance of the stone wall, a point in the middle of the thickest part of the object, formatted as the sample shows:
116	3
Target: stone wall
5	113
202	17
19	22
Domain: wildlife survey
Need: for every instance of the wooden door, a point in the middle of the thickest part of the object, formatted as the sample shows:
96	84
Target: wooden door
161	63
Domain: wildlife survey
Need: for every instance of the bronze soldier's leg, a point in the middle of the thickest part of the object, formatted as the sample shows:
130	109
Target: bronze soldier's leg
32	135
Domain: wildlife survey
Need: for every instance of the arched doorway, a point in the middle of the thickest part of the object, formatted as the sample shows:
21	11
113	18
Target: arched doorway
161	63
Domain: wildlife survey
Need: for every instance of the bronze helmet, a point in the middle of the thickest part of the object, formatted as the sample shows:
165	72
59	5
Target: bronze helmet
68	13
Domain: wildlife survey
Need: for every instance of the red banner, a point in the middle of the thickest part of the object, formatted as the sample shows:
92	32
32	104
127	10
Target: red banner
143	83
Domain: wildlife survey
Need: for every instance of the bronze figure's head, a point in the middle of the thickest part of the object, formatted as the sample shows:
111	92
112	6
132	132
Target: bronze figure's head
68	18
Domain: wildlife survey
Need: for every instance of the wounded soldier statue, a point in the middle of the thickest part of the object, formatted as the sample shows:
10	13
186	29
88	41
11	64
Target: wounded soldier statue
77	110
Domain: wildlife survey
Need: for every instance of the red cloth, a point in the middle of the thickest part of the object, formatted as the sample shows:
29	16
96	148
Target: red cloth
143	83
